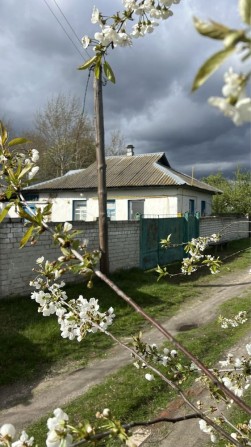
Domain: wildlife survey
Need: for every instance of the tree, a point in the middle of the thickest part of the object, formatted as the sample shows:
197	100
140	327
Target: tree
117	144
64	137
236	192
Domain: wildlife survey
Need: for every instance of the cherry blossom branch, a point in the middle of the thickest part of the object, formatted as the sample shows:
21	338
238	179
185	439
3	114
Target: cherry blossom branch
130	425
178	345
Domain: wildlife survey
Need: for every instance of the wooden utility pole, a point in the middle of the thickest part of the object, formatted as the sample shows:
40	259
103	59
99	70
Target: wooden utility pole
101	170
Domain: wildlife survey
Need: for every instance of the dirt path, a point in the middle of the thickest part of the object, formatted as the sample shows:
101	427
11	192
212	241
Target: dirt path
22	405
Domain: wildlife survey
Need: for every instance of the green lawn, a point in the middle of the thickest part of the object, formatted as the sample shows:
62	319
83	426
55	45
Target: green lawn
31	345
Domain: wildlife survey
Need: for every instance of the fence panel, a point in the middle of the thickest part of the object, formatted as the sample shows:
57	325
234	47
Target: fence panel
152	231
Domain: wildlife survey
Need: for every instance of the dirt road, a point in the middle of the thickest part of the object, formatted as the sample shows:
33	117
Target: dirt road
22	405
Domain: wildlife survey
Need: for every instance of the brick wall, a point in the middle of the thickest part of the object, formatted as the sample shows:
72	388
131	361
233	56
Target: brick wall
231	228
16	264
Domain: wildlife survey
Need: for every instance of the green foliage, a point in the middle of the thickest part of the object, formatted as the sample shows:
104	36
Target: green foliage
211	29
245	11
88	63
236	193
3	134
96	63
210	66
233	40
16	141
5	211
108	72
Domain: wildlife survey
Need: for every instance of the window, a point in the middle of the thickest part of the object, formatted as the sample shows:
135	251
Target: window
111	209
203	208
30	209
135	209
31	197
191	206
79	210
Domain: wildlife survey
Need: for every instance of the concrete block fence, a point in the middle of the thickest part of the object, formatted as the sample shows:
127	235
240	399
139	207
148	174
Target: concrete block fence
231	228
124	247
16	264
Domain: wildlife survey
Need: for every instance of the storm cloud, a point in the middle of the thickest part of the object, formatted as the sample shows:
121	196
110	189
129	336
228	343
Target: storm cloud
151	102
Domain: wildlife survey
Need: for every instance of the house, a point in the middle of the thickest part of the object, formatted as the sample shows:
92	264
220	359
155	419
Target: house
137	185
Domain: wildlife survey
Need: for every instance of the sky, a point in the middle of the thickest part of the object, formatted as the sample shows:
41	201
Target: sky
151	103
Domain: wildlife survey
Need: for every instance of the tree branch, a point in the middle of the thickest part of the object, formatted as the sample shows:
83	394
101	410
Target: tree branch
178	345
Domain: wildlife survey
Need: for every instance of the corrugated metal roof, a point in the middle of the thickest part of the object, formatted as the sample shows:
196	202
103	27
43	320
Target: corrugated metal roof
125	171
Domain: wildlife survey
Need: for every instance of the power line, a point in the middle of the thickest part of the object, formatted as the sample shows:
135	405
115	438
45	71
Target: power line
63	28
69	24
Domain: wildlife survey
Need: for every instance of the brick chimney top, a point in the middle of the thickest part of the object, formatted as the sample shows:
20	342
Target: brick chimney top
129	150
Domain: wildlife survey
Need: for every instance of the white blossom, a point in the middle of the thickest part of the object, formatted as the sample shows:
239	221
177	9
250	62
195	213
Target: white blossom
149	377
242	111
35	155
207	429
238	319
7	431
85	41
24	441
233	84
67	227
33	172
95	15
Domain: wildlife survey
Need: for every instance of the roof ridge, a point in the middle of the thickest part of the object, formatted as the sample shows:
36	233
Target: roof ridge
136	155
173	175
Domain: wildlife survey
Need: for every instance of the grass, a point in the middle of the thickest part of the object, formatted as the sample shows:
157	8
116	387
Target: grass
150	398
31	345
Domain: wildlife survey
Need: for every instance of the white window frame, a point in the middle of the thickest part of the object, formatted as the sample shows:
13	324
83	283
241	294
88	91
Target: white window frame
79	209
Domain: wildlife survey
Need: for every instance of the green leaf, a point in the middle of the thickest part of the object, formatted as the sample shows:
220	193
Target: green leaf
22	213
47	209
26	236
211	29
16	141
210	66
4	133
9	191
5	211
88	63
26	169
233	37
109	73
245	11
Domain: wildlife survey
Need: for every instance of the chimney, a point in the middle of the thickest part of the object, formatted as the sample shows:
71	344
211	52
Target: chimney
129	150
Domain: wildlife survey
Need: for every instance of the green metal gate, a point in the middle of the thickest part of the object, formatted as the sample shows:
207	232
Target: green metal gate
153	230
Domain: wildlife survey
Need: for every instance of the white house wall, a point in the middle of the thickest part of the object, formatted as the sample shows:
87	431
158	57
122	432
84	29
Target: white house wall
164	202
185	195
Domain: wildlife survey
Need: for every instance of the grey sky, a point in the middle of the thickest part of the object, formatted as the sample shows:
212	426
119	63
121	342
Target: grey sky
150	104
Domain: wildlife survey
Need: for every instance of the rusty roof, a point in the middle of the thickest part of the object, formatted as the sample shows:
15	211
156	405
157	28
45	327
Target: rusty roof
142	170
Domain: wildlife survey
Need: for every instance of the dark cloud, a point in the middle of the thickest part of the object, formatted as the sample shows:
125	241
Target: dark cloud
150	104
